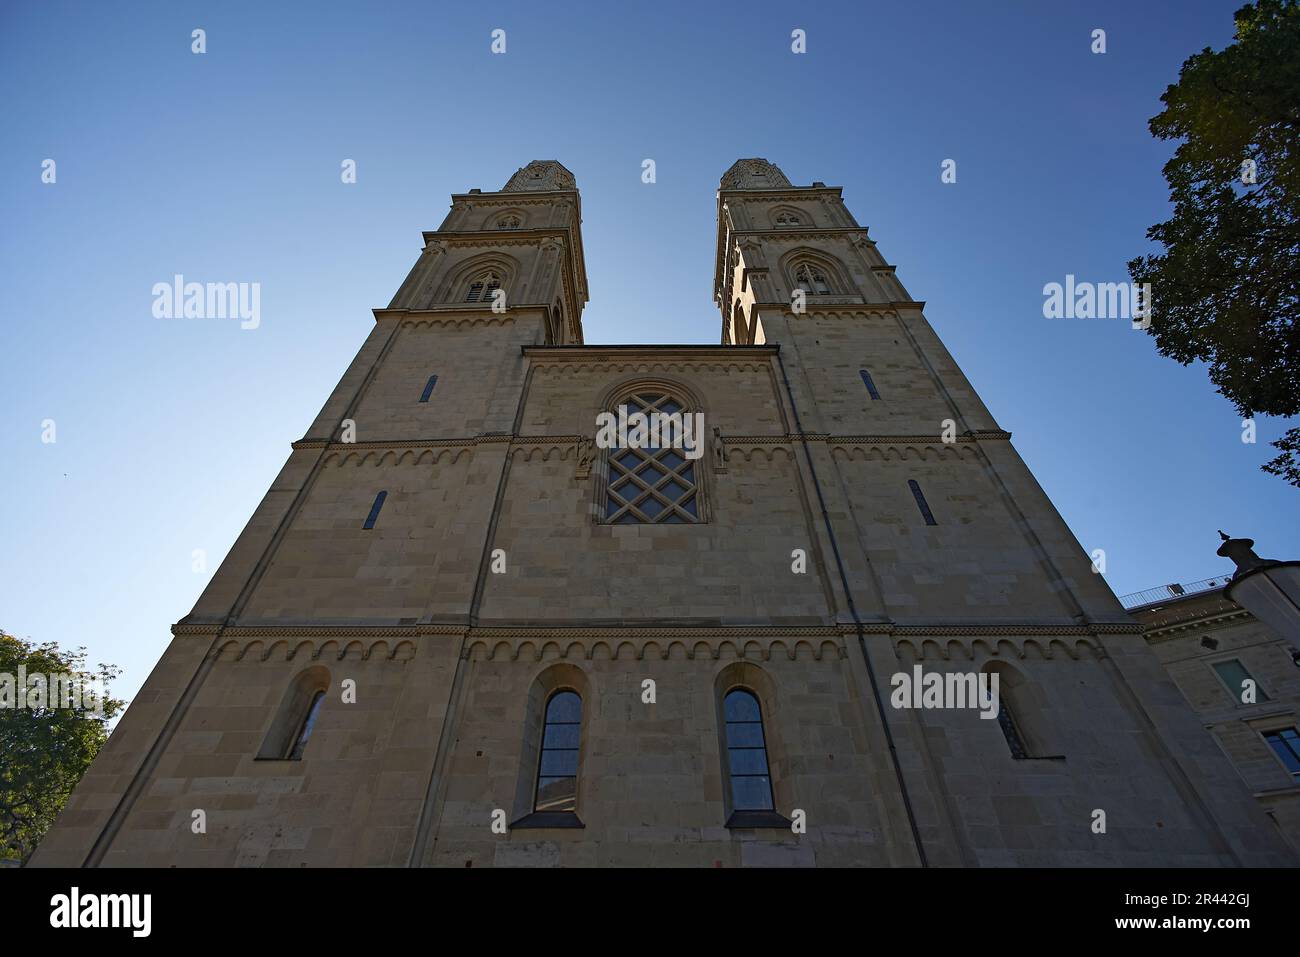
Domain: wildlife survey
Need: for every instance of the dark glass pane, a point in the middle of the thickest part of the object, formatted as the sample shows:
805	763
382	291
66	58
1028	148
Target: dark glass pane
557	794
651	507
645	400
627	519
673	519
751	794
650	474
1287	747
561	736
674	490
564	706
670	407
741	706
628	460
612	506
744	734
748	760
672	460
689	507
688	473
559	763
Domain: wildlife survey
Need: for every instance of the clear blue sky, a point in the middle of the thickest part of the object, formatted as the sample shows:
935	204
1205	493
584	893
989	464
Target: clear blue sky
225	167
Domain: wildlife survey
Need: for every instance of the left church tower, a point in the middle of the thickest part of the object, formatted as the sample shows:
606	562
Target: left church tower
361	568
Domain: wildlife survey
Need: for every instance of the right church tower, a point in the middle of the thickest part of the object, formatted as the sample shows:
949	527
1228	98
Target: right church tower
947	556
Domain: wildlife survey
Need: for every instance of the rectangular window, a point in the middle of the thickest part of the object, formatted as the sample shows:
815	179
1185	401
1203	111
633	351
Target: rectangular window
921	503
1286	745
428	388
1234	676
374	510
871	386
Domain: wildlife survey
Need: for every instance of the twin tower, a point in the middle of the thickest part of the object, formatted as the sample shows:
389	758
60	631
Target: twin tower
459	632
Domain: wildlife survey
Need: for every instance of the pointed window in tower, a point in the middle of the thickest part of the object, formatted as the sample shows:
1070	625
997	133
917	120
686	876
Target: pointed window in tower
483	286
812	279
653	481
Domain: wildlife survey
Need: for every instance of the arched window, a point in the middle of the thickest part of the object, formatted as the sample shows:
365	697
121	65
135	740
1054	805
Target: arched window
308	723
1024	721
294	722
751	783
483	286
557	771
650	480
811	278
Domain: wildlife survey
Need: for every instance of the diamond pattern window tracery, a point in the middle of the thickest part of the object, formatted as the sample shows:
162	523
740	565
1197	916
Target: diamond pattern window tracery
652	485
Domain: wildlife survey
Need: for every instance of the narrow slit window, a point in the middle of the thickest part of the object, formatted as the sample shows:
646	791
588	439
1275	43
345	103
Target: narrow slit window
1012	733
871	386
428	388
374	510
308	723
921	502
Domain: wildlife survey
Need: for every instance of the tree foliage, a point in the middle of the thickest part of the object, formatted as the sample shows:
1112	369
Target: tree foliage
1227	286
44	751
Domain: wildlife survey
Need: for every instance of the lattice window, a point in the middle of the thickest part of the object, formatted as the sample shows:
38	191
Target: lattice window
812	279
482	288
652	485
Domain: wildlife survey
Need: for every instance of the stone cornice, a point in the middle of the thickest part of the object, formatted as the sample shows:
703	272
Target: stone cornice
1179	629
718	631
678	352
496	237
775	438
782	193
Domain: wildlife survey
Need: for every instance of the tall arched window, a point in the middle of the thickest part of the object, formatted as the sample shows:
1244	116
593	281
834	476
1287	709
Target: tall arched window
483	286
652	481
811	278
557	771
747	770
294	722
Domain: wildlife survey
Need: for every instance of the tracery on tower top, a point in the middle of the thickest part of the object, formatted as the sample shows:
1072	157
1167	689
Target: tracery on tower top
540	176
754	174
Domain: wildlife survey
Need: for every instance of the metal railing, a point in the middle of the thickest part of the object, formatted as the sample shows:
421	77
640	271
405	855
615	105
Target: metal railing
1173	591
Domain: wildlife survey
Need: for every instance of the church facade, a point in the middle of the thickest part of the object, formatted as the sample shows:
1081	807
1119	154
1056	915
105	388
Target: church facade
462	629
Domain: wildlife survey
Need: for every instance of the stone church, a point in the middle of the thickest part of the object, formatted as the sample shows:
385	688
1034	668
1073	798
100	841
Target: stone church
459	631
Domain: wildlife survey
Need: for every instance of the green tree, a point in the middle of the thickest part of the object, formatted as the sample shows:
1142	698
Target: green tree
44	750
1226	290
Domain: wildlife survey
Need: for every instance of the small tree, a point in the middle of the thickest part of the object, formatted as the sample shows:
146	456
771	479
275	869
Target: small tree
1227	287
44	750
